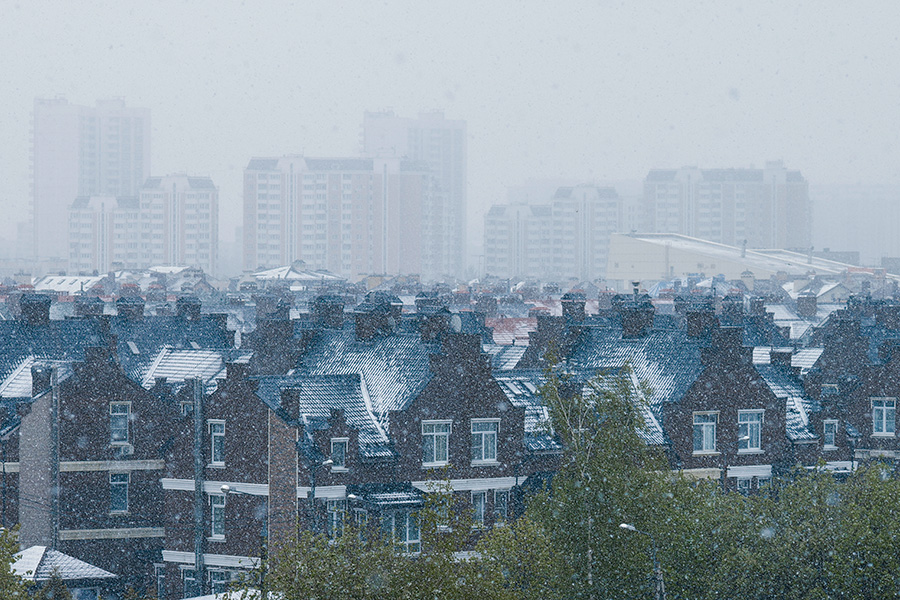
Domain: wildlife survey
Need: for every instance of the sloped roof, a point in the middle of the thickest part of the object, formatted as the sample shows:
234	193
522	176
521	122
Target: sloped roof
176	365
666	360
56	340
318	395
786	386
504	358
40	563
139	341
522	388
394	368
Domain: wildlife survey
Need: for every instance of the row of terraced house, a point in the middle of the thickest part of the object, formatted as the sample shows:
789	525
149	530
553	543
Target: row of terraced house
162	449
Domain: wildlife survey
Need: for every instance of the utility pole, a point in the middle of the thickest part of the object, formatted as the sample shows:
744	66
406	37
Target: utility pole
199	468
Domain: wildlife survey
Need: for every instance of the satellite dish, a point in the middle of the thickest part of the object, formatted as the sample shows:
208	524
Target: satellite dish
455	324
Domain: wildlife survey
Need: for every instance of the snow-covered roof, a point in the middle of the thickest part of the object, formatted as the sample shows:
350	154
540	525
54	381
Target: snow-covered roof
40	563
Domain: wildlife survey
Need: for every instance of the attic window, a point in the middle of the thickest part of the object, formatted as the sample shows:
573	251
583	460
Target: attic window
195	345
133	347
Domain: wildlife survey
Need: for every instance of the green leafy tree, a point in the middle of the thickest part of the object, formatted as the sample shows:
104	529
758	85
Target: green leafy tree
54	589
11	585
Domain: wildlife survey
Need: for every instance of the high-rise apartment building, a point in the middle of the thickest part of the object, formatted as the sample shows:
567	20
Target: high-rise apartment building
565	238
351	216
440	145
173	221
81	151
762	208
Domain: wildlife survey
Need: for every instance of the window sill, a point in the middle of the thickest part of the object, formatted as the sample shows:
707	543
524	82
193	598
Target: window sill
435	465
216	538
339	469
754	451
215	466
119	513
485	463
883	435
706	453
829	448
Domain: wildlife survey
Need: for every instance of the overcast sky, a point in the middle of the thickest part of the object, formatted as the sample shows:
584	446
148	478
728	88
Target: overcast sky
592	91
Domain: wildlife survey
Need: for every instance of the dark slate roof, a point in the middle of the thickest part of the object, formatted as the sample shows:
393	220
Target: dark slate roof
318	395
394	368
57	340
139	341
178	365
339	164
388	495
503	357
786	386
262	164
666	360
40	563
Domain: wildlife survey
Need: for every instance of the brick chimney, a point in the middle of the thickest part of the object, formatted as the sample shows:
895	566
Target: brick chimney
573	307
806	306
637	320
329	311
188	307
701	323
130	307
35	309
87	306
726	347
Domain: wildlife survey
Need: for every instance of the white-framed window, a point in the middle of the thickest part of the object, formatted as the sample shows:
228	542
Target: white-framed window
829	434
217	516
749	430
484	440
705	432
501	505
435	443
336	509
403	526
118	492
216	442
189	587
159	573
884	415
119	423
360	518
339	454
220	580
743	485
479	500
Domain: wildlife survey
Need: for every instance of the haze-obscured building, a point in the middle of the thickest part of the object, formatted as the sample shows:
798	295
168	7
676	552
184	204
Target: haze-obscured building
173	221
81	151
565	238
350	216
441	145
759	208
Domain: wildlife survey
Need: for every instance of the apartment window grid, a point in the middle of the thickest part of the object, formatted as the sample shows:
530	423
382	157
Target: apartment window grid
189	587
484	440
217	442
336	509
750	430
436	442
705	432
884	414
118	492
119	418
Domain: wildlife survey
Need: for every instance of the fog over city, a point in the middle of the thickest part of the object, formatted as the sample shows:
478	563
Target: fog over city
580	92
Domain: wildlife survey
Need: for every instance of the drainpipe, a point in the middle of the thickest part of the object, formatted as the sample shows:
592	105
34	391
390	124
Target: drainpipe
199	467
54	457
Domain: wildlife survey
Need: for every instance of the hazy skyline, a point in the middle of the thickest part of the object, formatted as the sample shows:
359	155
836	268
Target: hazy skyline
584	91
